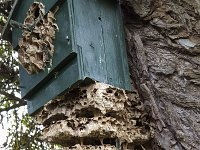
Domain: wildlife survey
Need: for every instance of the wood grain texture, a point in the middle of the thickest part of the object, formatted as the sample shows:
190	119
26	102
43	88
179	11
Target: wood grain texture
163	52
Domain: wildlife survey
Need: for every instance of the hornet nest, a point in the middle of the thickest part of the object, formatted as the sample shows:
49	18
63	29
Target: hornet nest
36	45
97	115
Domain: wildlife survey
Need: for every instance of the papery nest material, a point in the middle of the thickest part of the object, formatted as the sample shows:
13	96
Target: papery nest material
92	113
36	45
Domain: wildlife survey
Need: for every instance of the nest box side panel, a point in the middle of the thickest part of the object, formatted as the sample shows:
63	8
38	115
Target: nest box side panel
89	40
63	81
100	41
63	48
115	47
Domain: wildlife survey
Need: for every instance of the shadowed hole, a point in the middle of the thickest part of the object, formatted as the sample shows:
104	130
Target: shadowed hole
54	118
37	12
138	123
109	90
111	141
99	18
85	113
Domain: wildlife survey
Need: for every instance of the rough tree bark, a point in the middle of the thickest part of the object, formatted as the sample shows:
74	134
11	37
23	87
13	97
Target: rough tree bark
163	50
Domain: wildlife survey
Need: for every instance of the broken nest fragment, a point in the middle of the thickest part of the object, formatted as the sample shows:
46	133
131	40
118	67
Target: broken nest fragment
36	45
95	115
90	147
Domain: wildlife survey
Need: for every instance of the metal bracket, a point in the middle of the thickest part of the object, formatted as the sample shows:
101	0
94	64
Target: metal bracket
16	24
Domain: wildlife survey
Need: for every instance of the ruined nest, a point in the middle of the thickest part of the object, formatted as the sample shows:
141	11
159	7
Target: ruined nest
36	45
97	114
89	147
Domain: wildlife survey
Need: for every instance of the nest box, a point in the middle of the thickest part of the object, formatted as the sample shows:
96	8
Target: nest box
65	43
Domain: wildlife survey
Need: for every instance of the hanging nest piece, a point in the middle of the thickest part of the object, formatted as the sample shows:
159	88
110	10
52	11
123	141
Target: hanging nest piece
36	45
96	116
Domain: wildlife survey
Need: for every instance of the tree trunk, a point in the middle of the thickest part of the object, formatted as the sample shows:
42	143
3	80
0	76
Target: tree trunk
163	51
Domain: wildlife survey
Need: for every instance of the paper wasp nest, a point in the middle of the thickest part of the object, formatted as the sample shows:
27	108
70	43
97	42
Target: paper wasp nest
97	116
36	45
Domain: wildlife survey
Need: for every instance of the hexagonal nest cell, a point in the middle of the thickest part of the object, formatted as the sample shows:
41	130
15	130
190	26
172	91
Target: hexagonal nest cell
95	115
36	47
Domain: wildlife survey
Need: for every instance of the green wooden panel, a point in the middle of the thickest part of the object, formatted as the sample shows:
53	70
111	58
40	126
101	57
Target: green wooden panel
89	40
100	40
63	52
114	41
64	80
96	49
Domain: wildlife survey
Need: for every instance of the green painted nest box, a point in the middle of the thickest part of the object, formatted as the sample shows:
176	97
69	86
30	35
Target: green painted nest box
63	44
